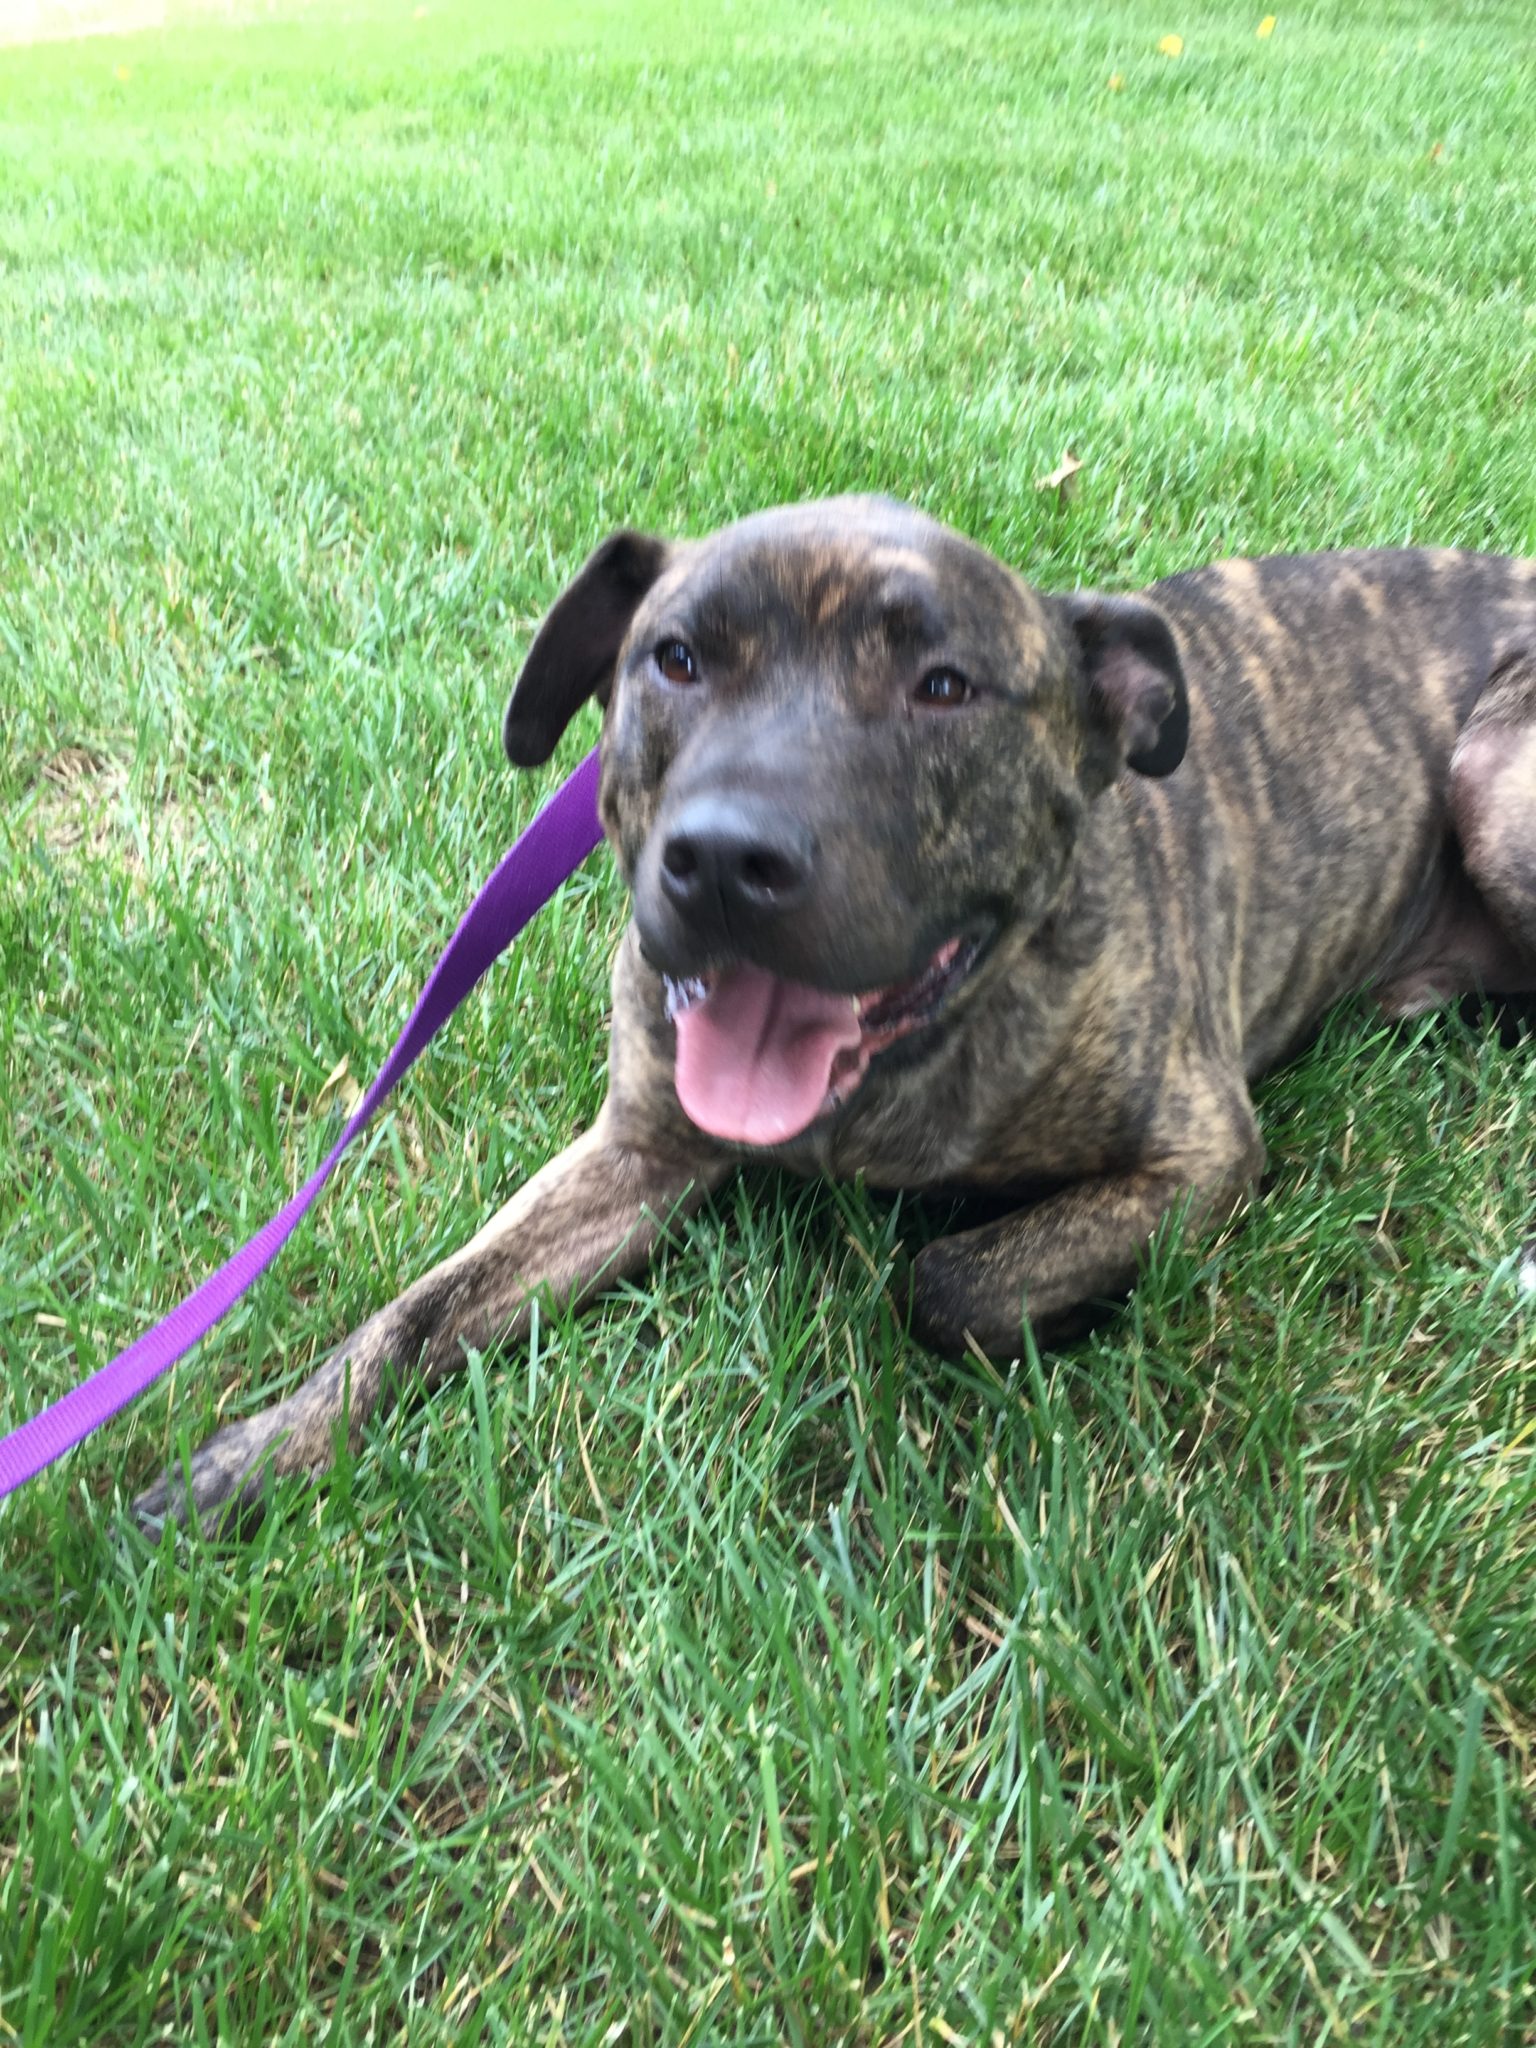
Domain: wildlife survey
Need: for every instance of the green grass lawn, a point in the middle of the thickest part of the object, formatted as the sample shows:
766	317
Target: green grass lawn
724	1668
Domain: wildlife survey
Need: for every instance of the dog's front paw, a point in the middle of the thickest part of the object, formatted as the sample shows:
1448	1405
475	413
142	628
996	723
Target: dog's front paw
967	1295
226	1482
222	1489
941	1287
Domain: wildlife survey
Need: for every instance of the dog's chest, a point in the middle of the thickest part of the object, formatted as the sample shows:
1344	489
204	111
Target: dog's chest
984	1116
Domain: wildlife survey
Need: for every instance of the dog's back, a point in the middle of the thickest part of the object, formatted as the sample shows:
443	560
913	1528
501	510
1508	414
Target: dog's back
1310	825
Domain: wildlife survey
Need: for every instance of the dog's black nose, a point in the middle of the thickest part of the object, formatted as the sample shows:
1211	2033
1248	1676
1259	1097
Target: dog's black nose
735	858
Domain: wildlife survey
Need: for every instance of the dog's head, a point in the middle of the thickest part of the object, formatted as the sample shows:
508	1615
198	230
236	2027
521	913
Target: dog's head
845	751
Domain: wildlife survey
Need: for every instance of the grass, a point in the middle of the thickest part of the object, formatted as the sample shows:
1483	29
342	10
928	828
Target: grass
723	1669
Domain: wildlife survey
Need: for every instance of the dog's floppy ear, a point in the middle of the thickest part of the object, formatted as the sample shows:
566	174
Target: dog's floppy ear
574	651
1134	675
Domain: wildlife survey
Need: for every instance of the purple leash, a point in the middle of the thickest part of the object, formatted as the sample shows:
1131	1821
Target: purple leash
547	853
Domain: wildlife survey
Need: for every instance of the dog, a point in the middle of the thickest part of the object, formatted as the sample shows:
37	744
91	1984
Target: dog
959	886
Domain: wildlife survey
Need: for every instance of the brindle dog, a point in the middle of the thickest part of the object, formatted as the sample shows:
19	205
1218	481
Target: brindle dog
959	886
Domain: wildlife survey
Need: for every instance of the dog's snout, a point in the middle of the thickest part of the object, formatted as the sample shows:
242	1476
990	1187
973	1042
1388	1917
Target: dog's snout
738	858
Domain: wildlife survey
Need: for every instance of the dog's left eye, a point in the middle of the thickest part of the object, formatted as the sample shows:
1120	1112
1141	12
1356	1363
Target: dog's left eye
944	687
675	660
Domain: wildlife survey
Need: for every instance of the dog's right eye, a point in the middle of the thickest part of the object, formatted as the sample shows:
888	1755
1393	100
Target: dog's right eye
945	687
675	660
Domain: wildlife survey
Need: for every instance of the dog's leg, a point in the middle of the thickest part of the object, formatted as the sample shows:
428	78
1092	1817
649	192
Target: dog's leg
1078	1247
591	1217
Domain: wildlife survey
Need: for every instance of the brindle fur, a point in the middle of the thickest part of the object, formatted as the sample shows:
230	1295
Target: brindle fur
1357	809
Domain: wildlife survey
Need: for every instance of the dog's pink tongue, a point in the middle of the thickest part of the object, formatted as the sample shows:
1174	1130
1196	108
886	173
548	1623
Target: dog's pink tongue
754	1058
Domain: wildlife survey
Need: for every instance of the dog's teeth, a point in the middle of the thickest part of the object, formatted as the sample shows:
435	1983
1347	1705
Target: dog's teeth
682	995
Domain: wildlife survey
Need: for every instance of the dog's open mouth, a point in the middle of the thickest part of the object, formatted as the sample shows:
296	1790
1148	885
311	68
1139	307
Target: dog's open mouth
760	1058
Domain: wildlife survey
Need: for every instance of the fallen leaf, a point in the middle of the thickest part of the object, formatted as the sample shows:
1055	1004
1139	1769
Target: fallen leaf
341	1084
1061	478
